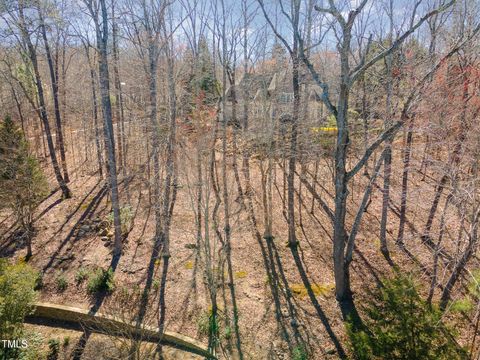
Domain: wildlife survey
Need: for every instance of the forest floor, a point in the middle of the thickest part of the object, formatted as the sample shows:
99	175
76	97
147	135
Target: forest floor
68	239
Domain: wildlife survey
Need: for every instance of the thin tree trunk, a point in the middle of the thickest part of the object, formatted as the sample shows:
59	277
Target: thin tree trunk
226	207
95	117
119	114
56	104
460	265
341	268
235	129
213	333
64	82
455	159
41	99
20	112
245	67
170	187
406	169
437	251
365	120
102	43
152	78
387	168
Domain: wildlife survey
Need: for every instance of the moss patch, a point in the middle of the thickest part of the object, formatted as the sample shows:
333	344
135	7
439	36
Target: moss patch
240	274
188	265
324	290
86	204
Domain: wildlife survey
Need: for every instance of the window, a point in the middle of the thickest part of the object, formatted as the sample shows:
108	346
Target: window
285	98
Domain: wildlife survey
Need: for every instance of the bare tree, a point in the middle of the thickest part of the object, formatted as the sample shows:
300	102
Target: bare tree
99	15
342	242
27	45
55	92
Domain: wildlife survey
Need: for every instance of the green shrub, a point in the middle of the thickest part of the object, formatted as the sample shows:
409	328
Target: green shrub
101	281
53	349
215	326
81	275
66	341
35	349
61	283
325	137
126	219
462	305
401	325
209	324
299	353
469	302
227	333
22	182
203	323
38	281
17	296
474	285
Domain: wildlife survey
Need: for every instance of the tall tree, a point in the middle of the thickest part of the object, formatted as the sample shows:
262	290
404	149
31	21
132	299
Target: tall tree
348	75
55	92
170	182
296	51
226	59
26	32
22	182
100	20
119	106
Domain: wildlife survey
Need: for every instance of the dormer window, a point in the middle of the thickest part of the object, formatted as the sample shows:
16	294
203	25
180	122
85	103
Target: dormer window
285	98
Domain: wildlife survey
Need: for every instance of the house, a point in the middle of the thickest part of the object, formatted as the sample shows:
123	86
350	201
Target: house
270	96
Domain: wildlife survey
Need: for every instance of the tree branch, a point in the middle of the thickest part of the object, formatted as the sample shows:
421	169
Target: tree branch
361	211
317	197
399	41
390	132
277	34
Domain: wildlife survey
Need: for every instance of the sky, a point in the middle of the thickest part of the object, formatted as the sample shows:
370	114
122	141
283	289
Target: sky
194	17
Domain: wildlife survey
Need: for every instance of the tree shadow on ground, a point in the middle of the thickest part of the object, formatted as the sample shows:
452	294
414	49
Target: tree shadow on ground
79	347
92	206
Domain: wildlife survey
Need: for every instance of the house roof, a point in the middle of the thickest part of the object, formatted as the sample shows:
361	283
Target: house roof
256	84
269	84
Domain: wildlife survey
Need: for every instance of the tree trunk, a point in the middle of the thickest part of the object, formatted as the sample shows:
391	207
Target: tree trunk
387	171
95	119
226	205
365	120
102	43
19	110
169	195
387	168
406	169
41	99
437	250
462	262
152	79
341	269
118	95
56	104
455	159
